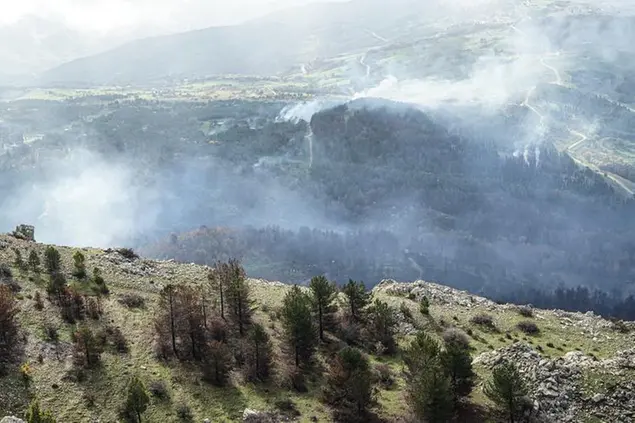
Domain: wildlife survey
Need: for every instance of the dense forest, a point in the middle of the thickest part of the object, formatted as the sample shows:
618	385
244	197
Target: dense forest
366	190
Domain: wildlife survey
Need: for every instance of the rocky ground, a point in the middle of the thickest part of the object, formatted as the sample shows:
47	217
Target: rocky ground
569	386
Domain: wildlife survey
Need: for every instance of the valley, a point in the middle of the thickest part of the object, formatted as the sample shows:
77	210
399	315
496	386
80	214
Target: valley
486	148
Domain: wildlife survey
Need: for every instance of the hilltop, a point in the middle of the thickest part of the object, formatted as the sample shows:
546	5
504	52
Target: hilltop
579	366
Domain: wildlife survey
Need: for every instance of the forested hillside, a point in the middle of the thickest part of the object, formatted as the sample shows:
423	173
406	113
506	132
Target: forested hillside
366	190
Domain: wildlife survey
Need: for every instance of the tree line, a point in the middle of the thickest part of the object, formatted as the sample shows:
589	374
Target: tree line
213	325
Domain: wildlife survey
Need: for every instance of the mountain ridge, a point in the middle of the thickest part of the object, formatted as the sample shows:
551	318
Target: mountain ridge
577	365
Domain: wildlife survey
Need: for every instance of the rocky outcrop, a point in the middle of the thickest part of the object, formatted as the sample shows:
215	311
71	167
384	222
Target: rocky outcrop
25	232
438	294
11	419
558	387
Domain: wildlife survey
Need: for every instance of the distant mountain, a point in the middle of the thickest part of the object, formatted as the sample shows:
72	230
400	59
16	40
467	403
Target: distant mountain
265	46
32	45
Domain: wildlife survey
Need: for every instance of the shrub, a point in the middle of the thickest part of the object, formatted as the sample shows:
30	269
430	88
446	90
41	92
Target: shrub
36	415
184	412
128	253
550	345
405	311
350	332
287	407
132	300
39	304
89	398
117	339
6	278
619	326
525	311
483	320
530	328
50	331
26	372
424	306
137	400
298	380
456	337
385	375
5	272
79	265
93	309
159	390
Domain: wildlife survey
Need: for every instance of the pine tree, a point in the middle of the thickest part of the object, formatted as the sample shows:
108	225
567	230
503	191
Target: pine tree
19	261
167	303
457	364
430	394
357	298
422	353
138	398
56	286
79	265
34	261
239	302
259	355
350	386
52	260
383	323
428	386
221	276
100	282
298	324
35	415
217	363
323	295
189	317
88	347
507	389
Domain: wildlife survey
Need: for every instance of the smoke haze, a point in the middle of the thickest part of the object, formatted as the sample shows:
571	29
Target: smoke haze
521	78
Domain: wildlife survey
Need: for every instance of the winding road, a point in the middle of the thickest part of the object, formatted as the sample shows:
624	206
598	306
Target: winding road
362	59
581	138
363	63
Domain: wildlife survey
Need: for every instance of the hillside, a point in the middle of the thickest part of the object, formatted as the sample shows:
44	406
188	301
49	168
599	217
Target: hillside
368	189
294	41
578	366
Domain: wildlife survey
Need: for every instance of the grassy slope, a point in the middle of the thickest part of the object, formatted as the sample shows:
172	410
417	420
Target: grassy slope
107	384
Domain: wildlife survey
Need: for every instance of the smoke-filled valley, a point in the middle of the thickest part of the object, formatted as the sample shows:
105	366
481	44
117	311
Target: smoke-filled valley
493	156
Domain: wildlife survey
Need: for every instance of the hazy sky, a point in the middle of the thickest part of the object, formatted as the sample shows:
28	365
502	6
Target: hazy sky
170	15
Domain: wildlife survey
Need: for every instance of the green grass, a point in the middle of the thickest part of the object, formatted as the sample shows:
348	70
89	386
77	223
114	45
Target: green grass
105	385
